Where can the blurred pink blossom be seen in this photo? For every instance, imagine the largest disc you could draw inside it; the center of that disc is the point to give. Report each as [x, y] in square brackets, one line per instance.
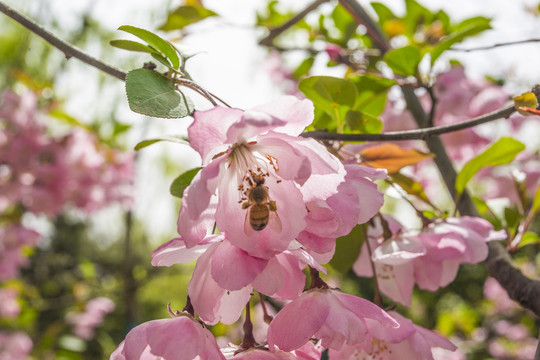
[9, 306]
[15, 346]
[13, 239]
[85, 323]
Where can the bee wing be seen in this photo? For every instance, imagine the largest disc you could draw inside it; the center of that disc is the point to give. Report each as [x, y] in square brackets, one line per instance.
[248, 230]
[274, 222]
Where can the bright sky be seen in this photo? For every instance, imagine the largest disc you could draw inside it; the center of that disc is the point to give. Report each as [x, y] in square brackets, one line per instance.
[229, 63]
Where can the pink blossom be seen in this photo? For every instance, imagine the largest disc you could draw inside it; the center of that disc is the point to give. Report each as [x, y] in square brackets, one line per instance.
[225, 275]
[331, 316]
[356, 201]
[9, 306]
[309, 351]
[496, 293]
[430, 258]
[334, 52]
[94, 314]
[178, 338]
[409, 341]
[13, 239]
[237, 147]
[15, 346]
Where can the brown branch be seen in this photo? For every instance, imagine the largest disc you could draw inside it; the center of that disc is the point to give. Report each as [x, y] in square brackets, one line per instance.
[416, 134]
[489, 47]
[499, 264]
[68, 49]
[275, 32]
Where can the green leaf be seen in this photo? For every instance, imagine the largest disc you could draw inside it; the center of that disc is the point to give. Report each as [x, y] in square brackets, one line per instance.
[372, 92]
[529, 238]
[150, 93]
[347, 250]
[536, 201]
[184, 16]
[383, 12]
[304, 67]
[170, 138]
[182, 182]
[154, 41]
[403, 61]
[470, 29]
[333, 95]
[132, 46]
[501, 152]
[512, 217]
[363, 123]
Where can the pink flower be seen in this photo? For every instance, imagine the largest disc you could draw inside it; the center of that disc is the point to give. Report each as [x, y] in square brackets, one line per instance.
[356, 201]
[309, 351]
[94, 314]
[409, 341]
[178, 338]
[334, 52]
[9, 306]
[430, 258]
[15, 346]
[13, 238]
[331, 316]
[225, 275]
[260, 148]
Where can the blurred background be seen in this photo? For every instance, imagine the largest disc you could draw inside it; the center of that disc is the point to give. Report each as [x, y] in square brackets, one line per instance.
[80, 275]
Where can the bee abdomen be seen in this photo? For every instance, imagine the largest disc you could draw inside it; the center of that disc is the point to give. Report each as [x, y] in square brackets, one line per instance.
[258, 218]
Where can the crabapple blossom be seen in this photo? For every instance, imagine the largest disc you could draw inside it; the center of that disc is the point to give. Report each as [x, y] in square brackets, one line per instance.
[15, 346]
[178, 338]
[430, 258]
[95, 310]
[9, 306]
[356, 201]
[239, 147]
[13, 238]
[333, 317]
[409, 341]
[309, 351]
[225, 275]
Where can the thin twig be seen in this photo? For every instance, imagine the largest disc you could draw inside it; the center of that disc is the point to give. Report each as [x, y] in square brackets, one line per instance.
[68, 49]
[489, 47]
[275, 32]
[416, 134]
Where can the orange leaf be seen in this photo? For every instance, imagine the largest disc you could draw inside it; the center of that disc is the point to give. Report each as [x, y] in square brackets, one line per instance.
[391, 157]
[528, 111]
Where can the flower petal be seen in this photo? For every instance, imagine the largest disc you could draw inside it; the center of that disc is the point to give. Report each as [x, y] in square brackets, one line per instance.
[175, 251]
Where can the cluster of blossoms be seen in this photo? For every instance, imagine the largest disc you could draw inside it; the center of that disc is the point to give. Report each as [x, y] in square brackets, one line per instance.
[279, 202]
[84, 323]
[41, 174]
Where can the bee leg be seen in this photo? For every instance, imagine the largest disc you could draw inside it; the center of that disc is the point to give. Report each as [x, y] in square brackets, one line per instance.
[245, 205]
[272, 205]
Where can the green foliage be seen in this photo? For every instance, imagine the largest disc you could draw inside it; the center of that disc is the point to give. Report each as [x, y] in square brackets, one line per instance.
[150, 93]
[160, 45]
[501, 152]
[403, 61]
[182, 182]
[348, 249]
[171, 138]
[186, 15]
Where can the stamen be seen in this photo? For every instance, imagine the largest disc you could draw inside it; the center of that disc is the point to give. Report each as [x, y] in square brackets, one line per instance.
[273, 161]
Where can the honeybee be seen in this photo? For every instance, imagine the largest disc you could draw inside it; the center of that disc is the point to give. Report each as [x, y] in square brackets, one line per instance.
[261, 210]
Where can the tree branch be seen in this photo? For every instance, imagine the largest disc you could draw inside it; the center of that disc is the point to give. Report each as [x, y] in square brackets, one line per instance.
[275, 32]
[68, 49]
[498, 263]
[416, 134]
[489, 47]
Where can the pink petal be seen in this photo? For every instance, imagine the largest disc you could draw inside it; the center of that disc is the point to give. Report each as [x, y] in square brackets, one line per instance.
[253, 123]
[291, 328]
[212, 303]
[209, 129]
[397, 281]
[398, 252]
[297, 114]
[364, 308]
[175, 252]
[232, 268]
[283, 278]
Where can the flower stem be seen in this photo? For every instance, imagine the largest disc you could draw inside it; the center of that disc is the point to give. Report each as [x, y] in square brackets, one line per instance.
[267, 317]
[189, 307]
[248, 341]
[377, 299]
[316, 281]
